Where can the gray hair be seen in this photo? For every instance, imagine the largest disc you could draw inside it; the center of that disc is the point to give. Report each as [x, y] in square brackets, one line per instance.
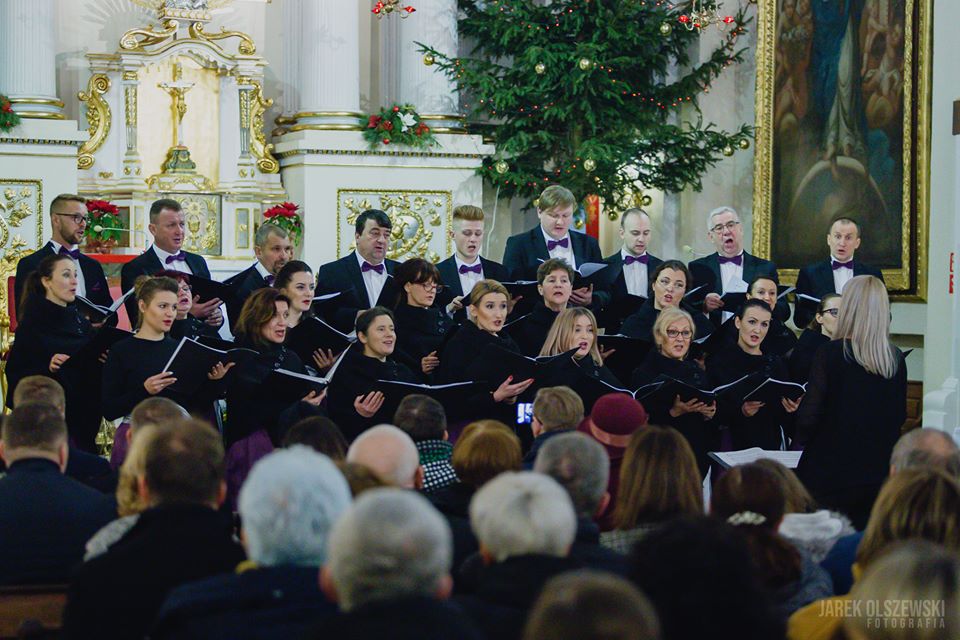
[288, 504]
[718, 211]
[522, 512]
[580, 464]
[926, 449]
[389, 452]
[390, 544]
[265, 230]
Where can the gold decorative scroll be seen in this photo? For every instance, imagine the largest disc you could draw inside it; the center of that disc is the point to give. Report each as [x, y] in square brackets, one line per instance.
[420, 219]
[259, 147]
[98, 118]
[147, 37]
[246, 46]
[20, 199]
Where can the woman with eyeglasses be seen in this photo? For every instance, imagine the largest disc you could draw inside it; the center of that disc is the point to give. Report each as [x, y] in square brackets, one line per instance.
[819, 332]
[420, 325]
[669, 283]
[752, 423]
[555, 285]
[186, 325]
[673, 333]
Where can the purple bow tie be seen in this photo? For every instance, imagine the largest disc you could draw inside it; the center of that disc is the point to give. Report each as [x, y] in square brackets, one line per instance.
[842, 265]
[644, 259]
[269, 279]
[179, 256]
[75, 253]
[737, 260]
[553, 244]
[477, 269]
[371, 267]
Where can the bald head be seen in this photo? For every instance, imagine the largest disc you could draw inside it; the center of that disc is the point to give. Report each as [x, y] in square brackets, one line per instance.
[926, 449]
[390, 453]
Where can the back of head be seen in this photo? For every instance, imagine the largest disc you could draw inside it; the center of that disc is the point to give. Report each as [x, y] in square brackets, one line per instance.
[129, 500]
[288, 504]
[390, 544]
[580, 465]
[184, 464]
[484, 450]
[915, 503]
[33, 426]
[558, 408]
[320, 434]
[797, 498]
[522, 513]
[864, 322]
[925, 449]
[389, 453]
[679, 567]
[591, 604]
[910, 572]
[42, 389]
[360, 478]
[659, 479]
[614, 418]
[421, 417]
[156, 411]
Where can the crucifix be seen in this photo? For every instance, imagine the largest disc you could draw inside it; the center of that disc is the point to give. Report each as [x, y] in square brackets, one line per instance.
[177, 90]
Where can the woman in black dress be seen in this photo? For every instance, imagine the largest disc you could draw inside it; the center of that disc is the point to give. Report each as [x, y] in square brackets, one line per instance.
[555, 285]
[855, 404]
[355, 402]
[50, 330]
[420, 326]
[668, 283]
[780, 339]
[752, 423]
[296, 282]
[819, 332]
[186, 325]
[673, 333]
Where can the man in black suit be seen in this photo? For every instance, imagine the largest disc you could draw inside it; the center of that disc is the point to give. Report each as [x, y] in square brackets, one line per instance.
[46, 518]
[725, 270]
[168, 228]
[829, 276]
[466, 266]
[68, 220]
[273, 249]
[363, 277]
[552, 239]
[179, 538]
[627, 278]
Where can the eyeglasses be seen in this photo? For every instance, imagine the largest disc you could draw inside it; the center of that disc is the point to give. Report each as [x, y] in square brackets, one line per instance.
[673, 334]
[431, 286]
[76, 217]
[730, 226]
[834, 312]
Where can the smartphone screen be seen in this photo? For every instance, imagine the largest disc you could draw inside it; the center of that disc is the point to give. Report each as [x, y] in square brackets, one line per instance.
[524, 412]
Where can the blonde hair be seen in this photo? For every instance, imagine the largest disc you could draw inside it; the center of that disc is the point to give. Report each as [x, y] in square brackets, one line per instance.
[560, 336]
[865, 322]
[556, 196]
[485, 287]
[467, 212]
[666, 318]
[134, 465]
[65, 197]
[557, 408]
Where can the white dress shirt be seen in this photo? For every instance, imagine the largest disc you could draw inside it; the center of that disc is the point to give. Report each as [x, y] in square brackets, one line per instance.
[176, 265]
[262, 270]
[81, 283]
[468, 280]
[730, 273]
[372, 280]
[563, 253]
[635, 275]
[841, 276]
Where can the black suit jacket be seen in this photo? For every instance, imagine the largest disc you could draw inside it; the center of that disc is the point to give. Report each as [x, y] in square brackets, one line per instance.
[817, 280]
[450, 279]
[98, 292]
[525, 250]
[148, 264]
[46, 519]
[612, 294]
[242, 284]
[752, 267]
[344, 275]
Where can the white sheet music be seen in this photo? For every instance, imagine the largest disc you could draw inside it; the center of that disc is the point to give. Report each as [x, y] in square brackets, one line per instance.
[789, 459]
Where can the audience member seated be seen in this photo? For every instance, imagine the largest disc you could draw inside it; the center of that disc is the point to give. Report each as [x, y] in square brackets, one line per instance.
[288, 504]
[388, 570]
[360, 478]
[484, 450]
[750, 498]
[556, 410]
[45, 517]
[154, 410]
[180, 538]
[911, 572]
[913, 504]
[390, 454]
[589, 604]
[320, 434]
[659, 481]
[615, 417]
[525, 524]
[423, 419]
[581, 467]
[698, 574]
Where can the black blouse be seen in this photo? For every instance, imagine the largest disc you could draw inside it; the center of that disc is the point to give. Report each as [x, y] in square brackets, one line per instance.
[802, 357]
[531, 331]
[779, 341]
[419, 332]
[191, 327]
[129, 363]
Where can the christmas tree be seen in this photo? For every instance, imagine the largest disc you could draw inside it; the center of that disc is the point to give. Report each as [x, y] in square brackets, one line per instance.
[576, 92]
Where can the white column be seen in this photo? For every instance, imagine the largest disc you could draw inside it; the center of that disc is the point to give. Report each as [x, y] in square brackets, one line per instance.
[28, 69]
[292, 17]
[329, 66]
[431, 92]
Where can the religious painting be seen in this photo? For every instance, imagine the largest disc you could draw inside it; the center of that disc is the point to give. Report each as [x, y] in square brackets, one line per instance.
[842, 131]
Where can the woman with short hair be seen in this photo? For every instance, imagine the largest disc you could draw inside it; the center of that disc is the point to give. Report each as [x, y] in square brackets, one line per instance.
[669, 283]
[421, 326]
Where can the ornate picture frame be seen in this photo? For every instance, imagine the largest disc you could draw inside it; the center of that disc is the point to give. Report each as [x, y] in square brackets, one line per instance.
[843, 129]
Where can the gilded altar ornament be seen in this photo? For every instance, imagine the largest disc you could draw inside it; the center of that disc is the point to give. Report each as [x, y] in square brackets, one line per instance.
[259, 147]
[98, 118]
[137, 39]
[246, 46]
[412, 213]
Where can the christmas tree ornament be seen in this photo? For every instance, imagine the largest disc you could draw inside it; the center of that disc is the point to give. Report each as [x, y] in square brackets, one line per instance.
[501, 167]
[727, 151]
[428, 60]
[589, 164]
[744, 143]
[646, 200]
[666, 28]
[585, 64]
[540, 68]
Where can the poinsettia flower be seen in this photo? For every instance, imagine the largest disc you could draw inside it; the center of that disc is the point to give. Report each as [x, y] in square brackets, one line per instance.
[373, 122]
[408, 120]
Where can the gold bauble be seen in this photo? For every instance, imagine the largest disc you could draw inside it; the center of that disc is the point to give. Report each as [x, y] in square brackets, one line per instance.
[501, 167]
[727, 151]
[536, 202]
[646, 200]
[585, 64]
[540, 68]
[428, 60]
[666, 28]
[612, 216]
[589, 164]
[578, 224]
[744, 143]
